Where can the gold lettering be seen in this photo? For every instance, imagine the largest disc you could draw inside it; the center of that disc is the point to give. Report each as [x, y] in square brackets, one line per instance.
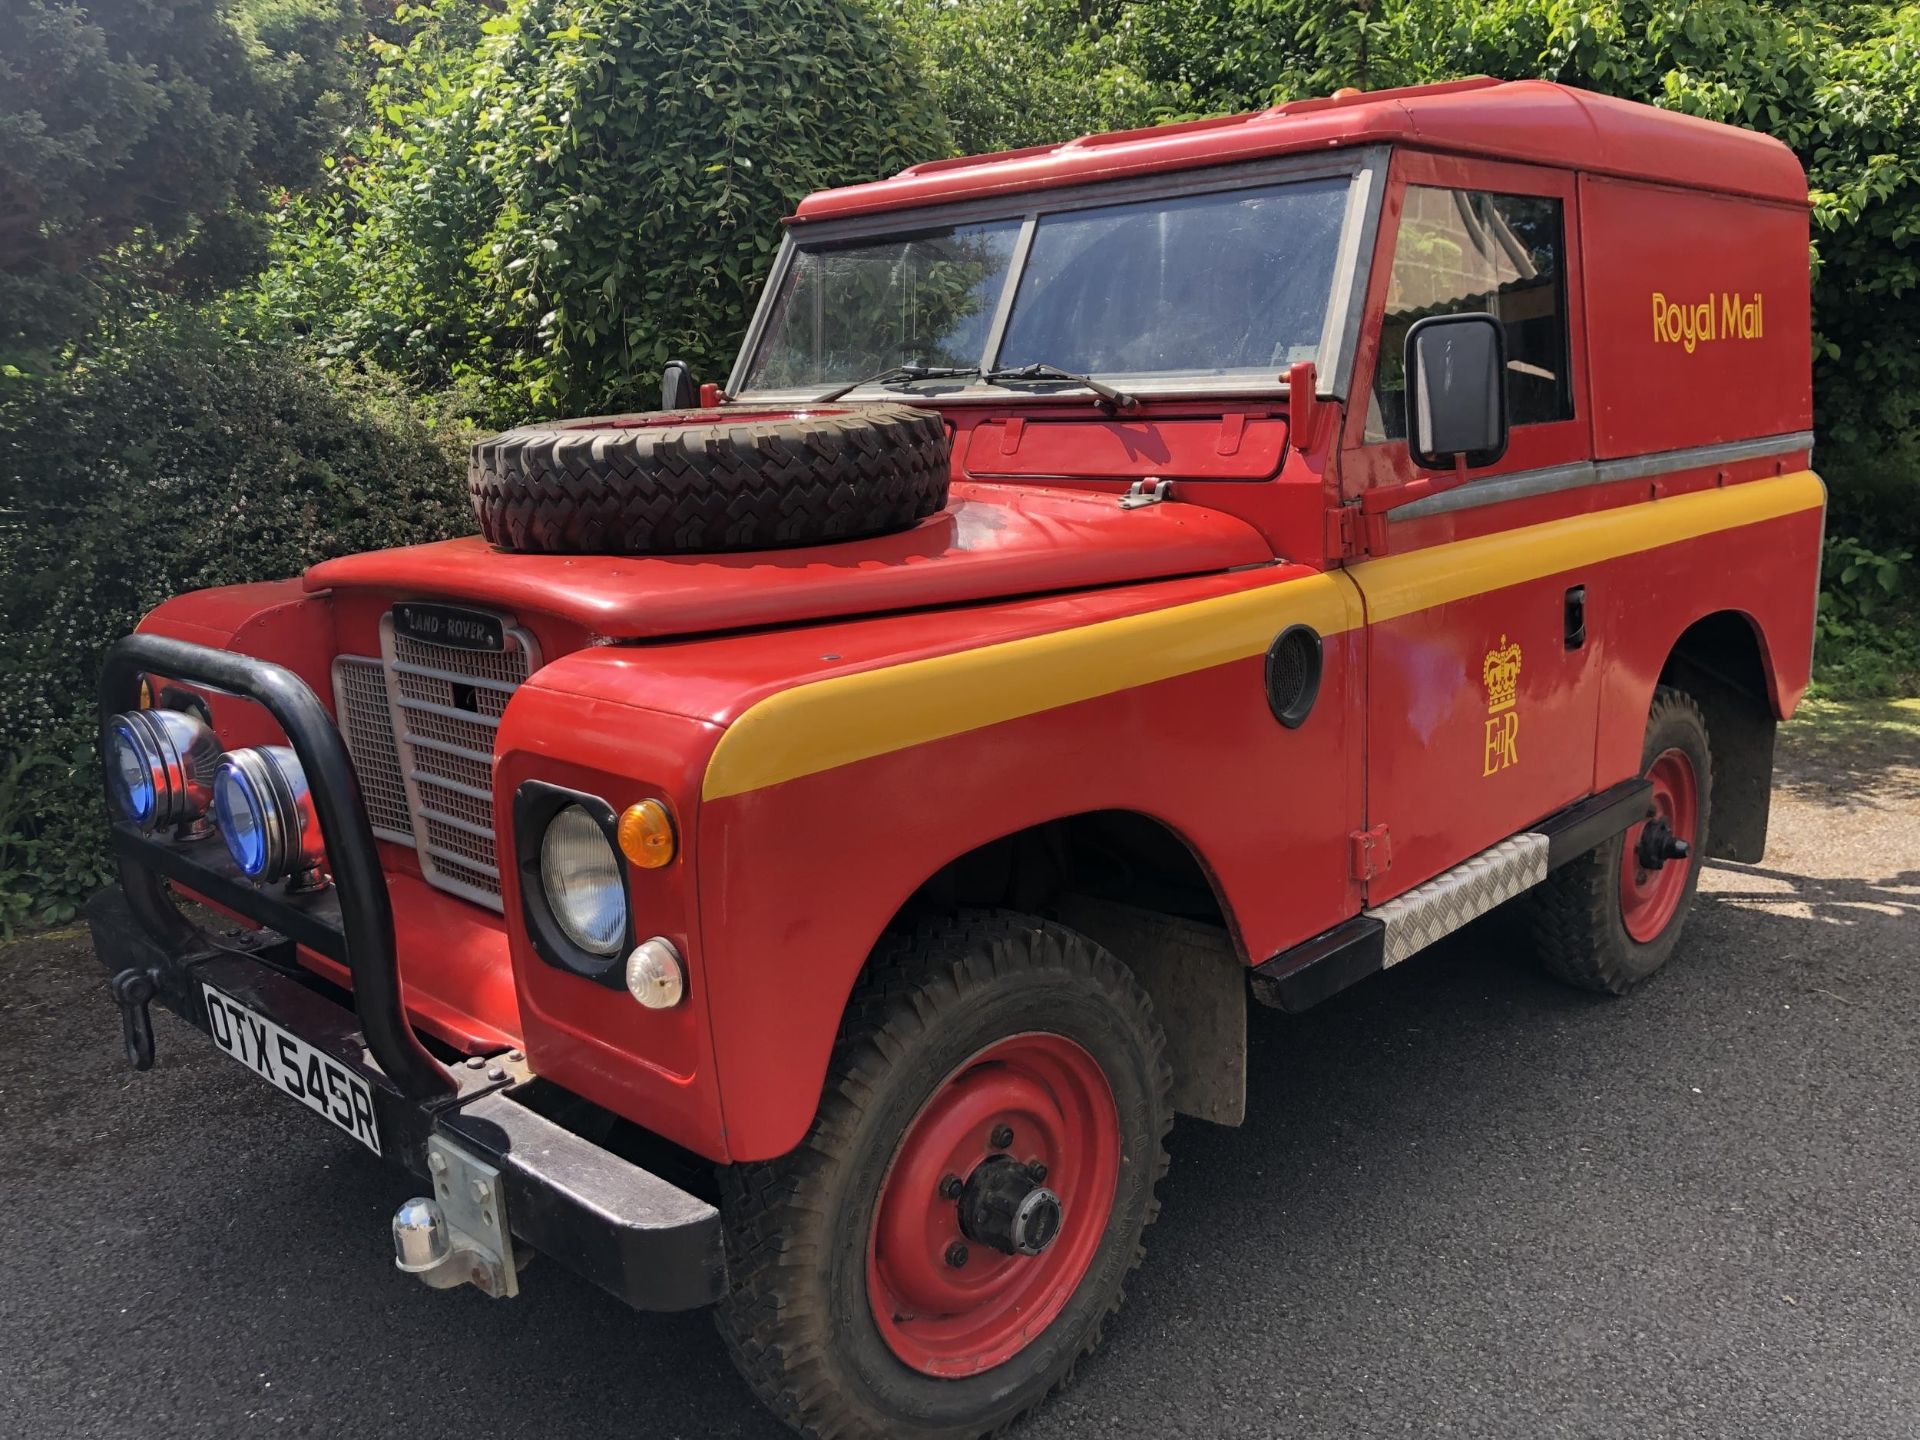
[1661, 335]
[1502, 750]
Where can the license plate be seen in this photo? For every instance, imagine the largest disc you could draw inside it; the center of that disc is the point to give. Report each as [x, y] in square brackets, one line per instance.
[283, 1059]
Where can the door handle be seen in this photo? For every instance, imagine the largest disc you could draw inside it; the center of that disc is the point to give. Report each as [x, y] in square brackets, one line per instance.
[1575, 617]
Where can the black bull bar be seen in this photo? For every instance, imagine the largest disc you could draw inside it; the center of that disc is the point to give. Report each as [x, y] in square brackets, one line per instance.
[627, 1230]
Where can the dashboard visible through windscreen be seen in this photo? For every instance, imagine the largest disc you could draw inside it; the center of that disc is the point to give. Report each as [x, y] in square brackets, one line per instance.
[1233, 284]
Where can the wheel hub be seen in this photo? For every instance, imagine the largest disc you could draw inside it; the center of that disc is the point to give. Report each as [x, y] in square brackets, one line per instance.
[1004, 1207]
[1658, 844]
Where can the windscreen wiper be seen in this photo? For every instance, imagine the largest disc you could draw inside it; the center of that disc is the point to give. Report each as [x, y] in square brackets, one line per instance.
[1115, 399]
[907, 374]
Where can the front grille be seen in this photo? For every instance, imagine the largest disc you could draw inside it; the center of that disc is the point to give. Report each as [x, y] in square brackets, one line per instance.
[420, 725]
[366, 720]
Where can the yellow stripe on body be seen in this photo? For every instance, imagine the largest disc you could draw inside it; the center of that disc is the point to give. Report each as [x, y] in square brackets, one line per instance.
[831, 722]
[827, 723]
[1402, 584]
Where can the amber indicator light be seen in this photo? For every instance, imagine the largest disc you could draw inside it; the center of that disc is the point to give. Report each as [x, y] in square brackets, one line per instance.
[646, 834]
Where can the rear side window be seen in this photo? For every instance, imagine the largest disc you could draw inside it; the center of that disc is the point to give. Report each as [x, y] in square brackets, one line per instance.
[1468, 250]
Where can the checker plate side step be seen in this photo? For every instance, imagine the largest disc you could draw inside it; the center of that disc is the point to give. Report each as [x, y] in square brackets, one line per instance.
[1303, 976]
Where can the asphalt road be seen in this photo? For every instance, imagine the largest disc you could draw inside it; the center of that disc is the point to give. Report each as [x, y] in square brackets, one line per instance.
[1468, 1203]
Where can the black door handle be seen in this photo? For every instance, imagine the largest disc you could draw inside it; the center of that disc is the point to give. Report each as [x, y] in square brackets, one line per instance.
[1576, 617]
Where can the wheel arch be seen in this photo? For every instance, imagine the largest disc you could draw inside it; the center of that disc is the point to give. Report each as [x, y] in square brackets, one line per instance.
[1134, 884]
[1722, 661]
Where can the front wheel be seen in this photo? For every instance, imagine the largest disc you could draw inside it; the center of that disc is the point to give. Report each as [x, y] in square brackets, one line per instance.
[955, 1229]
[1609, 919]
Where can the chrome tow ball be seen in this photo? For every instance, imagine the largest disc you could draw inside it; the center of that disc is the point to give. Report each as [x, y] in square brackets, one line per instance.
[459, 1235]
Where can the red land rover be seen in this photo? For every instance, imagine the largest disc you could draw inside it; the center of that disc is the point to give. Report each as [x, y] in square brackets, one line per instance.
[802, 858]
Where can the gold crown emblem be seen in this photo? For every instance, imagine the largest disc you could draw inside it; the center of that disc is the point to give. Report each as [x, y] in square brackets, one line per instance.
[1501, 674]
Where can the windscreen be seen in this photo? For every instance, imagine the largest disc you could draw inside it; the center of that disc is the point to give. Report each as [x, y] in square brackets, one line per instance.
[1228, 283]
[855, 310]
[1202, 285]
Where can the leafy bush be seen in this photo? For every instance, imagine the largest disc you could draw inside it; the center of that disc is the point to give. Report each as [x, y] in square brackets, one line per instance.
[1868, 635]
[182, 459]
[550, 209]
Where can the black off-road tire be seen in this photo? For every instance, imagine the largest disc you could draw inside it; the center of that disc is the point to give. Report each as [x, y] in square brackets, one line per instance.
[1574, 917]
[797, 1321]
[701, 481]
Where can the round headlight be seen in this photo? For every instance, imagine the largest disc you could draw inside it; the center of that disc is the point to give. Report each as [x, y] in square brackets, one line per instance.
[160, 764]
[582, 877]
[130, 769]
[265, 813]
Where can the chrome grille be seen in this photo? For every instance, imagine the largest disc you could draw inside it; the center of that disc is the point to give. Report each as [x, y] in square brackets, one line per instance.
[446, 708]
[420, 723]
[366, 722]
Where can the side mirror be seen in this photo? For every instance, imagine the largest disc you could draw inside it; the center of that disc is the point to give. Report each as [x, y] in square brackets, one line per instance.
[1456, 391]
[677, 390]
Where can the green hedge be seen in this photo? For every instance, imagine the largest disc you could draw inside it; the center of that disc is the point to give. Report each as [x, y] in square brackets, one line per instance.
[180, 460]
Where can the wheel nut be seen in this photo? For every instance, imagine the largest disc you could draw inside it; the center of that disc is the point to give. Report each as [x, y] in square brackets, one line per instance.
[956, 1254]
[951, 1187]
[1036, 1171]
[1002, 1136]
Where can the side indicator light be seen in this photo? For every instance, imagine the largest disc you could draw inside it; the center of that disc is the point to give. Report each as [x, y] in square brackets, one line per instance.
[646, 835]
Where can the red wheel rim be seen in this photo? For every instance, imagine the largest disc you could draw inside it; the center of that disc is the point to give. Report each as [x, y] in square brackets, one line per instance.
[947, 1320]
[1649, 898]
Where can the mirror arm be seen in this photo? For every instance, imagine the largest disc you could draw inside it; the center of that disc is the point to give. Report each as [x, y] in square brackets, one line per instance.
[1391, 497]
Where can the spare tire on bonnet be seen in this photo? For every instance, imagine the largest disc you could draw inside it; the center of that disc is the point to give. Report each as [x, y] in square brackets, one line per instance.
[689, 481]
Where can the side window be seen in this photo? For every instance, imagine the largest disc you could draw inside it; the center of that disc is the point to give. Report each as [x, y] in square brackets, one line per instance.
[1466, 250]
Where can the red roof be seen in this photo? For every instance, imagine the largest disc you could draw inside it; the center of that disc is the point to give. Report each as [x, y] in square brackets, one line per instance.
[1524, 120]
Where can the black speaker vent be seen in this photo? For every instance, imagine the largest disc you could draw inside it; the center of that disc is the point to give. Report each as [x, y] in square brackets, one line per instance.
[1293, 674]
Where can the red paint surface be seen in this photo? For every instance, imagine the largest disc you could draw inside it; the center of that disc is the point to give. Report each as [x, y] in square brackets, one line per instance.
[1652, 394]
[1231, 447]
[990, 541]
[1526, 120]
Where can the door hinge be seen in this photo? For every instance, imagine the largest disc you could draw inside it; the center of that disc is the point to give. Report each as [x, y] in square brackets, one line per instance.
[1343, 533]
[1370, 853]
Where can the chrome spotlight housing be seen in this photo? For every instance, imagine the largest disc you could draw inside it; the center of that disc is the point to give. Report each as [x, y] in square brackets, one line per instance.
[160, 766]
[265, 812]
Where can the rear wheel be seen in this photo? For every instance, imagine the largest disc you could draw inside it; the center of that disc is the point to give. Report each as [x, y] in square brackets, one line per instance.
[955, 1229]
[1609, 919]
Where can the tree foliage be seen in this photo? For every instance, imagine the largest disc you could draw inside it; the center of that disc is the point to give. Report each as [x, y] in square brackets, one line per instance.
[552, 208]
[136, 136]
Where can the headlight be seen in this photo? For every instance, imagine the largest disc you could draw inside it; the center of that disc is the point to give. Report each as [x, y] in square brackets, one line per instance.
[265, 812]
[161, 766]
[582, 877]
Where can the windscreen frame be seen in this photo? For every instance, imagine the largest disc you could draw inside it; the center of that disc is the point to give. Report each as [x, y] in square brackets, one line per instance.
[1364, 169]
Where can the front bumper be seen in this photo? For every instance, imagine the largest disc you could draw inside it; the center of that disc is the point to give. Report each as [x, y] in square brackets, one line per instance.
[629, 1231]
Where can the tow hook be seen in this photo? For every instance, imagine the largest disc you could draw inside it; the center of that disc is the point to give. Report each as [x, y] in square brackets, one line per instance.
[459, 1235]
[133, 991]
[1658, 844]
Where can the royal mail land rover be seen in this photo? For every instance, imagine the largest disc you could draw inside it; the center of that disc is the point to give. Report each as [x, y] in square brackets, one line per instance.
[802, 854]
